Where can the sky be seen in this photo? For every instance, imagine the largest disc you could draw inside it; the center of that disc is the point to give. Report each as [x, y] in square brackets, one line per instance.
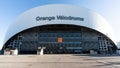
[11, 9]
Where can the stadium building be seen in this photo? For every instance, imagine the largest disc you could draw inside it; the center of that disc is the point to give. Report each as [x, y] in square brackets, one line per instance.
[59, 29]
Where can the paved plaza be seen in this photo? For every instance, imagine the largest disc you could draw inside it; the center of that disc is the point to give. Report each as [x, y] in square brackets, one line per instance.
[59, 61]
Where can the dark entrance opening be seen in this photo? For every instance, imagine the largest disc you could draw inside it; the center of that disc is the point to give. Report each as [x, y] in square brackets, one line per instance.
[57, 39]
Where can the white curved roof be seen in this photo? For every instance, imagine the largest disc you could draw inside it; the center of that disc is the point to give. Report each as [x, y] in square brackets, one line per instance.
[28, 19]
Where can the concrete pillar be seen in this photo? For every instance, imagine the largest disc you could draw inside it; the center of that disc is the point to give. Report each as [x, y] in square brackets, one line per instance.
[7, 51]
[92, 52]
[14, 52]
[40, 50]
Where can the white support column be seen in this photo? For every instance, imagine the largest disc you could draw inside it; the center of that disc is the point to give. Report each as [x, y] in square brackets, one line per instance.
[14, 52]
[40, 50]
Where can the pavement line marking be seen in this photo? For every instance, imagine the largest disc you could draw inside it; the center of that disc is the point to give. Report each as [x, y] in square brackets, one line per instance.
[108, 63]
[116, 65]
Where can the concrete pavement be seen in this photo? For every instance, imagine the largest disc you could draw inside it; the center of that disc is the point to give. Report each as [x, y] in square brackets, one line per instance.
[59, 61]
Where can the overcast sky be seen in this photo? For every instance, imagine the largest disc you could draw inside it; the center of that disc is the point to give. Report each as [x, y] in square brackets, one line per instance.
[109, 9]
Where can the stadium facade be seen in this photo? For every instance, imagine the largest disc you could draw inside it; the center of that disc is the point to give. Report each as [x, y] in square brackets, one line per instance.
[60, 29]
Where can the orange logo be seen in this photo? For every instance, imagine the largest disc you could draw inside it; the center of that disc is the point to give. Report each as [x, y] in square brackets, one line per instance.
[60, 40]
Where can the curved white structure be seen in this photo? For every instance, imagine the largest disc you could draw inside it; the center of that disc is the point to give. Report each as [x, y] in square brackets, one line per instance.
[49, 14]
